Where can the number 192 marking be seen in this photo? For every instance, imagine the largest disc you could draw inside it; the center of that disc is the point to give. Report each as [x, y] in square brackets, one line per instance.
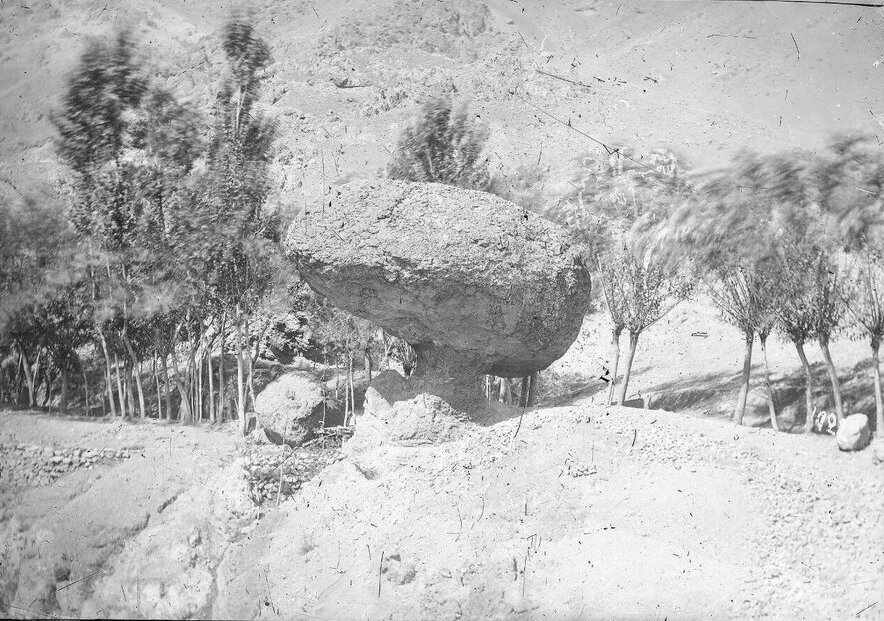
[825, 420]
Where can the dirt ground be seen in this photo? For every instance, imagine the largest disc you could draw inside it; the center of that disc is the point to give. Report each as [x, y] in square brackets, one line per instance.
[578, 511]
[586, 513]
[62, 539]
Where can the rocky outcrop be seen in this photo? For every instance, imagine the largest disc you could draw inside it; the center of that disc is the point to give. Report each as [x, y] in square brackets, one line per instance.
[474, 283]
[853, 433]
[461, 275]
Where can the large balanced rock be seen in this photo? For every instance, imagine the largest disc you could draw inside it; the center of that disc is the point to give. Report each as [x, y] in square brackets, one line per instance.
[853, 433]
[476, 284]
[289, 408]
[447, 268]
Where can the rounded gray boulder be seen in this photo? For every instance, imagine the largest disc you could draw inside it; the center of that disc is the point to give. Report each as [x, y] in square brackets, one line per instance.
[290, 408]
[470, 280]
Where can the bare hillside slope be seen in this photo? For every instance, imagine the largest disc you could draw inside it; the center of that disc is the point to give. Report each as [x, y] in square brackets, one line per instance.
[705, 79]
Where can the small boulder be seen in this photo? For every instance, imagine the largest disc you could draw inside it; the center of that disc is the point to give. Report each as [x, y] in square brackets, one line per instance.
[853, 433]
[289, 408]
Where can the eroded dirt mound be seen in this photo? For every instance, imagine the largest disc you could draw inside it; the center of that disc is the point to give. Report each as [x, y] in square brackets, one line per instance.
[582, 514]
[64, 529]
[138, 525]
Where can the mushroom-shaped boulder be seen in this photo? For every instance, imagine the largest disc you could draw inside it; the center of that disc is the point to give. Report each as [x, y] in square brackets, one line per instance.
[475, 283]
[448, 268]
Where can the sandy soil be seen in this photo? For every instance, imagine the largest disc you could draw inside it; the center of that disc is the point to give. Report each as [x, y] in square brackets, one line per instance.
[61, 539]
[668, 514]
[586, 512]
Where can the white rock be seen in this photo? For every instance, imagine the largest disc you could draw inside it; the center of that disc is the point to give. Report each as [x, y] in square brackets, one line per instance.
[853, 433]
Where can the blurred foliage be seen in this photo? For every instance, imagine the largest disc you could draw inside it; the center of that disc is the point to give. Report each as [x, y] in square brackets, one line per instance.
[443, 144]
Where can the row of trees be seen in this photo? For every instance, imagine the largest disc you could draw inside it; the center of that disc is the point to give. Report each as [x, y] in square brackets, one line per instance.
[793, 245]
[786, 244]
[166, 252]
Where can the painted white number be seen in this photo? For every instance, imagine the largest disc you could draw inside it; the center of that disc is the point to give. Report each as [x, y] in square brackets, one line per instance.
[825, 422]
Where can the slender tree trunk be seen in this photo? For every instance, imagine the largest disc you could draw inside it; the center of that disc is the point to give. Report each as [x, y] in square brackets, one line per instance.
[6, 388]
[250, 369]
[38, 368]
[85, 386]
[6, 393]
[63, 400]
[136, 373]
[352, 391]
[506, 390]
[833, 378]
[346, 392]
[523, 394]
[130, 389]
[29, 378]
[532, 389]
[156, 381]
[808, 387]
[222, 401]
[627, 371]
[184, 412]
[120, 393]
[879, 404]
[240, 380]
[127, 390]
[191, 378]
[47, 399]
[16, 395]
[211, 372]
[615, 343]
[108, 373]
[747, 372]
[771, 406]
[199, 387]
[367, 362]
[167, 389]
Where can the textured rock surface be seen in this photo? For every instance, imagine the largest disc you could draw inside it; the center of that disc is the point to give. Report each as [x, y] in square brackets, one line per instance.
[853, 433]
[461, 275]
[289, 408]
